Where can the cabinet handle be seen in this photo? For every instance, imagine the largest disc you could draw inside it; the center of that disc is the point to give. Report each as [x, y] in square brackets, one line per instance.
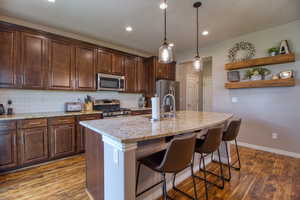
[35, 123]
[14, 141]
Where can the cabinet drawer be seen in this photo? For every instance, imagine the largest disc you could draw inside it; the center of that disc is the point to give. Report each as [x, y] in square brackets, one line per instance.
[32, 123]
[89, 117]
[62, 120]
[8, 125]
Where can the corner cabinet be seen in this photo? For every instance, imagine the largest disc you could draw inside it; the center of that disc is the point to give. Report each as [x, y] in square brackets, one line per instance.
[85, 60]
[33, 64]
[8, 57]
[8, 145]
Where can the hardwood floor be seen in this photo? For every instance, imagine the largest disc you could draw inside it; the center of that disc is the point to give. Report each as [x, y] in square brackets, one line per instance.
[264, 176]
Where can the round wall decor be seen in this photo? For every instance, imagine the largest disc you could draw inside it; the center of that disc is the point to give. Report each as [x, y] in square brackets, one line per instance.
[241, 51]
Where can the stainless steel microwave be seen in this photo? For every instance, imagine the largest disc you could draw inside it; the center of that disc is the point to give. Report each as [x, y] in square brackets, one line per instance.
[110, 82]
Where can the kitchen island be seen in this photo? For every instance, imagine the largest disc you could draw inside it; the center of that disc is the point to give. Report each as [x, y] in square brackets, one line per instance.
[112, 146]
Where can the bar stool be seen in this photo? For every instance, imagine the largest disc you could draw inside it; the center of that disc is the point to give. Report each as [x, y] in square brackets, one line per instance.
[205, 147]
[229, 135]
[177, 157]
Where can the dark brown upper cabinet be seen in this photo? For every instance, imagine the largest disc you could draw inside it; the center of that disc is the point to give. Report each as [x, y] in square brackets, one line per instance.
[85, 68]
[130, 74]
[142, 76]
[104, 62]
[61, 71]
[8, 57]
[118, 64]
[33, 64]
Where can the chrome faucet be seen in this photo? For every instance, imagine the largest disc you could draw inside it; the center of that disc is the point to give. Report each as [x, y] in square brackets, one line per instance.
[172, 106]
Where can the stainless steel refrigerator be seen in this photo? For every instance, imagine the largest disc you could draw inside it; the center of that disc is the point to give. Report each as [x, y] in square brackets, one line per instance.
[164, 87]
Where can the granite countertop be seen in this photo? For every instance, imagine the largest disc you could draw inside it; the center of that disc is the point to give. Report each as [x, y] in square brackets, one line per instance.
[140, 128]
[140, 109]
[44, 115]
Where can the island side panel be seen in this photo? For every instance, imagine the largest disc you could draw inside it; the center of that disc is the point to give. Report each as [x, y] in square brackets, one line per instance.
[94, 153]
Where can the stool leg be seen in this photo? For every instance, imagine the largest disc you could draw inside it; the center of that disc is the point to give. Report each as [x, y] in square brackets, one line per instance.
[194, 182]
[238, 154]
[205, 181]
[137, 178]
[228, 163]
[221, 169]
[165, 195]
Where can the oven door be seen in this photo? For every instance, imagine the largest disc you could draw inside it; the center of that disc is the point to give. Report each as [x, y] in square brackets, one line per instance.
[110, 82]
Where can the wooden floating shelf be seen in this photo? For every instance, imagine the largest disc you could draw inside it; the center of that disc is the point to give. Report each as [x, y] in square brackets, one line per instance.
[261, 84]
[286, 58]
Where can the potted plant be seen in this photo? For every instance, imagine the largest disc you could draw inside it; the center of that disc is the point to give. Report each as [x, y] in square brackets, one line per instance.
[257, 73]
[273, 51]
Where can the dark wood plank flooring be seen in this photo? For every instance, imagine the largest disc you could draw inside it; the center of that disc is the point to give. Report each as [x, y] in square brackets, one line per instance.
[264, 176]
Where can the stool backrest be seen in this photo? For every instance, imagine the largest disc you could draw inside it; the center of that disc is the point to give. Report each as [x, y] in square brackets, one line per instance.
[212, 140]
[233, 130]
[179, 154]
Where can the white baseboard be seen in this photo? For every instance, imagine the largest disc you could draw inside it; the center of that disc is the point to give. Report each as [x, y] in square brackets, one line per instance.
[269, 149]
[156, 193]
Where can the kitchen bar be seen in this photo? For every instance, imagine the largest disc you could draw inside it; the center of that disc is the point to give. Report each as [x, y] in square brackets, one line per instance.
[112, 146]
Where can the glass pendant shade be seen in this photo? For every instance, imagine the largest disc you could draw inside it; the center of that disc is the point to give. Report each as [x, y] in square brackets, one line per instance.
[165, 54]
[197, 63]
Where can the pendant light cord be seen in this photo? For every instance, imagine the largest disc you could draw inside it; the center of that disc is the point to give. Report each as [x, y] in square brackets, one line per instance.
[197, 32]
[165, 21]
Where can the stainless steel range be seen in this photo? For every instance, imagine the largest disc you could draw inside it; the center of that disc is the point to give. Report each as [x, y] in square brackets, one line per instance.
[110, 108]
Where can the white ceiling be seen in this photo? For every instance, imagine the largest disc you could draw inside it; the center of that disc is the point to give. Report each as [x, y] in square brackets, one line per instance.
[106, 19]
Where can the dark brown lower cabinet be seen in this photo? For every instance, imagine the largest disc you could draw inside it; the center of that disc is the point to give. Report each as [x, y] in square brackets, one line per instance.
[80, 139]
[62, 140]
[8, 149]
[33, 145]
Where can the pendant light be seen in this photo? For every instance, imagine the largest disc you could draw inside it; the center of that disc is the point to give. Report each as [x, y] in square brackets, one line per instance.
[165, 53]
[197, 62]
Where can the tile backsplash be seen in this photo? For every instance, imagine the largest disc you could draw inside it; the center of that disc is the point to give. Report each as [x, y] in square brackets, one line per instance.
[31, 101]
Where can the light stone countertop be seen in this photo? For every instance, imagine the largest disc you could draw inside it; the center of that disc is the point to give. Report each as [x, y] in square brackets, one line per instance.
[44, 115]
[140, 109]
[140, 128]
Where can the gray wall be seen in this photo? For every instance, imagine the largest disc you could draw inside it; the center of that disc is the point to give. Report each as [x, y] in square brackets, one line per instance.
[264, 110]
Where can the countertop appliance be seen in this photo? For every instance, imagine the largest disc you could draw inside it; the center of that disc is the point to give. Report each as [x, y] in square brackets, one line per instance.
[110, 108]
[164, 87]
[73, 107]
[110, 82]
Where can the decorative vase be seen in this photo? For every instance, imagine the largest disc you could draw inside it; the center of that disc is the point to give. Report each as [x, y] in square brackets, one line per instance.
[256, 77]
[273, 53]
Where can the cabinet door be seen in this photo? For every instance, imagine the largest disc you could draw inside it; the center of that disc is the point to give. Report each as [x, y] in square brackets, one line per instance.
[172, 71]
[61, 70]
[85, 68]
[8, 149]
[80, 139]
[142, 76]
[118, 64]
[104, 62]
[130, 74]
[8, 57]
[33, 60]
[62, 140]
[33, 145]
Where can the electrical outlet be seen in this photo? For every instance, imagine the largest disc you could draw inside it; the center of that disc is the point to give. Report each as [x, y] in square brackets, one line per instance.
[274, 136]
[116, 156]
[234, 99]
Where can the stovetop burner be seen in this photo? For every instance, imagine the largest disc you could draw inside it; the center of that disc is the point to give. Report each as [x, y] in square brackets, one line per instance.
[110, 108]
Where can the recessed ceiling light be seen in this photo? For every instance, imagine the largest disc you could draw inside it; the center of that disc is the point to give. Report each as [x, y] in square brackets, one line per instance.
[128, 28]
[171, 45]
[205, 33]
[52, 1]
[163, 6]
